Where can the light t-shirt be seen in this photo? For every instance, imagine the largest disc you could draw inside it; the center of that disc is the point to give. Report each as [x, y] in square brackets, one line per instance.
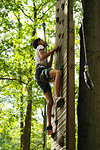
[38, 61]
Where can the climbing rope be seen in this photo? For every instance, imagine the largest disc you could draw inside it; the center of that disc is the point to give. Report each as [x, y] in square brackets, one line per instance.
[44, 26]
[87, 78]
[45, 107]
[84, 44]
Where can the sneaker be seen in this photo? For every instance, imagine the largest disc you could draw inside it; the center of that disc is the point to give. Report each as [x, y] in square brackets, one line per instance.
[49, 130]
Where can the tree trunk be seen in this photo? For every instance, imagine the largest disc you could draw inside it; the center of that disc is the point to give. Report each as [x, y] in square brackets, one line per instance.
[27, 128]
[21, 122]
[89, 101]
[21, 89]
[45, 126]
[21, 114]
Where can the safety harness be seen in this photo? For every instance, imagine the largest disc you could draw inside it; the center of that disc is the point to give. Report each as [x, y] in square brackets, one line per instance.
[44, 76]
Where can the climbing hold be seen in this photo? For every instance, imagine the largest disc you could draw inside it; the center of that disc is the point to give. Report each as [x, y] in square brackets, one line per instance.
[60, 48]
[62, 35]
[61, 141]
[56, 122]
[59, 22]
[59, 35]
[61, 67]
[60, 103]
[72, 30]
[57, 10]
[57, 19]
[63, 22]
[62, 6]
[52, 115]
[53, 135]
[72, 48]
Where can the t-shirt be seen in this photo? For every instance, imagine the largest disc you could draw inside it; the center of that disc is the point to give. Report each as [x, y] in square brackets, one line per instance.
[38, 61]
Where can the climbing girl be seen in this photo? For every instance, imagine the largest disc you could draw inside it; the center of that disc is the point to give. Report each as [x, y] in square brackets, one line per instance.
[44, 74]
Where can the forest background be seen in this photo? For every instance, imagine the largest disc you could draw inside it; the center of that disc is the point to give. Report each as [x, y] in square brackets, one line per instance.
[21, 101]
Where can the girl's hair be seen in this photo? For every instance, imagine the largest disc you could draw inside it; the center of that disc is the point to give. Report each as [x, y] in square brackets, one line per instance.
[35, 43]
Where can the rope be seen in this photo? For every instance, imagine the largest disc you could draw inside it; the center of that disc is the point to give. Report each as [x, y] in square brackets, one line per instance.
[45, 127]
[44, 26]
[87, 78]
[45, 138]
[84, 44]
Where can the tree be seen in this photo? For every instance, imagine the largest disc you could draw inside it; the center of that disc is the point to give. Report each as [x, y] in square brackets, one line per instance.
[89, 101]
[19, 19]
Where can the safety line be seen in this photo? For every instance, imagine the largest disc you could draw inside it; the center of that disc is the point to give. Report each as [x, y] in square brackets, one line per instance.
[84, 44]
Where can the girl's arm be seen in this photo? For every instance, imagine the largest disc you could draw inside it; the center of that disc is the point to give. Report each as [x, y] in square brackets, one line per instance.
[50, 62]
[44, 55]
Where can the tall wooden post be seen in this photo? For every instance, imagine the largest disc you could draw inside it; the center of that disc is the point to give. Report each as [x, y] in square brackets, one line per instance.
[70, 81]
[65, 131]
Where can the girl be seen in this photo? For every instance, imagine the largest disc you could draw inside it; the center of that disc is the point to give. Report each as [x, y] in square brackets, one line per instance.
[44, 74]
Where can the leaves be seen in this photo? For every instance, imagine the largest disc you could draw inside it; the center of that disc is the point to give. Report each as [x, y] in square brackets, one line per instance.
[18, 19]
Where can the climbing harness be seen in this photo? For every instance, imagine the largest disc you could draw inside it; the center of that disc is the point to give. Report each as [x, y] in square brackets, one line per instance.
[44, 75]
[87, 78]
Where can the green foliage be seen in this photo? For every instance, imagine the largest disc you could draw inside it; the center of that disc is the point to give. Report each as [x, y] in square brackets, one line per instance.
[78, 14]
[17, 22]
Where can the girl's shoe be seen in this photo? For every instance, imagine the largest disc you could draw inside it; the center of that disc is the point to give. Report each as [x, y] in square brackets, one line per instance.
[49, 130]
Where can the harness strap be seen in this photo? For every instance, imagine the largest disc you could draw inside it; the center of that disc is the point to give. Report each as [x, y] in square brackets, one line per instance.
[44, 75]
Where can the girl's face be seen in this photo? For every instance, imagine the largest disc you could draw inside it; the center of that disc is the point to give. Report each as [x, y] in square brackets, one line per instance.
[41, 42]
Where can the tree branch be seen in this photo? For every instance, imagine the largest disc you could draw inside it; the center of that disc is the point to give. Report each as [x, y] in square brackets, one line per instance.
[7, 79]
[49, 8]
[46, 11]
[12, 80]
[26, 15]
[40, 8]
[37, 9]
[23, 11]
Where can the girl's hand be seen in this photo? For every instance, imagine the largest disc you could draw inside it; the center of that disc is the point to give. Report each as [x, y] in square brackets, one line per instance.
[56, 48]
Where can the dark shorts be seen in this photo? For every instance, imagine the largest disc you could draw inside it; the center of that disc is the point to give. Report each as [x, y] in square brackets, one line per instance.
[44, 85]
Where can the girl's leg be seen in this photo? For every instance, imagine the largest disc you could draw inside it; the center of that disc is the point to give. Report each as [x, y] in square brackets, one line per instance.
[48, 96]
[57, 75]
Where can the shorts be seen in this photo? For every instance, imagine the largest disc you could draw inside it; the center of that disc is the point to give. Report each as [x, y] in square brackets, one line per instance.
[45, 86]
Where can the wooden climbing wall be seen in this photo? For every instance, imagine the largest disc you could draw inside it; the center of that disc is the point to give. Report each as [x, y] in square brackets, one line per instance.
[64, 118]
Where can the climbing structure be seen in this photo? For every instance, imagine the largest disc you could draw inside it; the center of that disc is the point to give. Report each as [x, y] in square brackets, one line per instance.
[63, 118]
